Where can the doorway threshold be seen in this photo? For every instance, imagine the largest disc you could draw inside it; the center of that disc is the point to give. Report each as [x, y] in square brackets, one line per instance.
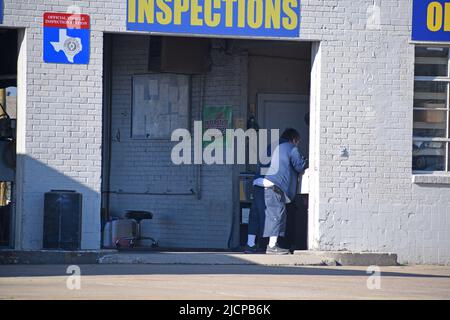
[180, 249]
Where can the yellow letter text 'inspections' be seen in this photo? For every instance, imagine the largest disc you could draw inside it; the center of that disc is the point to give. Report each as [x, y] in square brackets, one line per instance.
[258, 18]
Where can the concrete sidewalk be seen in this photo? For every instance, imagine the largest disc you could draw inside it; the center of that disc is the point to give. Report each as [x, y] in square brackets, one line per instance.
[299, 258]
[235, 282]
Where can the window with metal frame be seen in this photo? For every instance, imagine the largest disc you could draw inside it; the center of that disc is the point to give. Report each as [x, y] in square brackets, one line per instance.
[431, 136]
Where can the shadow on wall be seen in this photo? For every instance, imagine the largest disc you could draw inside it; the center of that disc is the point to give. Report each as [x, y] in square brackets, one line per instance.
[63, 172]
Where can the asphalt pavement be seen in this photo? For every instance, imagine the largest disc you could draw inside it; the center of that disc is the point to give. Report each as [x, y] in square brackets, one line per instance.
[236, 282]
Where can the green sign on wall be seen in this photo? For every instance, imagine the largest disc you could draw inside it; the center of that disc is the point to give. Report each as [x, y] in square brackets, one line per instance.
[217, 118]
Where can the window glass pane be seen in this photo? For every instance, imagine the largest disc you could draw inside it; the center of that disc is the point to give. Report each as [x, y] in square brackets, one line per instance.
[448, 124]
[11, 102]
[429, 156]
[448, 156]
[430, 123]
[431, 61]
[429, 94]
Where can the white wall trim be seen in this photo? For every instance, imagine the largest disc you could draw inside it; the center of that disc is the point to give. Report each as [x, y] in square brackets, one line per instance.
[21, 136]
[314, 147]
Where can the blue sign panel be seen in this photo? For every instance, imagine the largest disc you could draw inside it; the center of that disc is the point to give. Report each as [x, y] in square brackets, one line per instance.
[66, 38]
[254, 18]
[1, 11]
[431, 20]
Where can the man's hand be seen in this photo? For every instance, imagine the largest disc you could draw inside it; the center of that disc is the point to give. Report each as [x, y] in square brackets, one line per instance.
[298, 160]
[306, 160]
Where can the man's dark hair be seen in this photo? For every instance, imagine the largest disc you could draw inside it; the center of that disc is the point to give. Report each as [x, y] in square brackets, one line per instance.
[290, 134]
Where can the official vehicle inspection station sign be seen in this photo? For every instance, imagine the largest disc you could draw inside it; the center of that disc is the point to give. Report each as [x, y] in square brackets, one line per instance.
[431, 20]
[254, 18]
[66, 38]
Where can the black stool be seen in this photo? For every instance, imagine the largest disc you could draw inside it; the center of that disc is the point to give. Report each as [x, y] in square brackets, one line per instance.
[139, 216]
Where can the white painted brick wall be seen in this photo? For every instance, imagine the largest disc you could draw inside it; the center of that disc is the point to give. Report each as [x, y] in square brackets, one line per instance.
[366, 202]
[64, 127]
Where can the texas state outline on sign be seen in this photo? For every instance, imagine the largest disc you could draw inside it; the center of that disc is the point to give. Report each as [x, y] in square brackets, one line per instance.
[69, 45]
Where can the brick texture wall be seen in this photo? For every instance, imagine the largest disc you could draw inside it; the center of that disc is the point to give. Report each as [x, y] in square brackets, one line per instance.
[364, 202]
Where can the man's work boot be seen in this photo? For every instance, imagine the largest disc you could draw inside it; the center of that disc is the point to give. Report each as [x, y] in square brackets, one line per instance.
[250, 250]
[276, 250]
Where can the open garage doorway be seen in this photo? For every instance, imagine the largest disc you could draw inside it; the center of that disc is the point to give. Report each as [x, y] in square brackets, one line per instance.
[156, 84]
[8, 117]
[278, 98]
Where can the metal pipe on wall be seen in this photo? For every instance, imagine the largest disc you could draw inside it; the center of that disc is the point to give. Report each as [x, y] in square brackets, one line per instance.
[200, 116]
[3, 186]
[107, 93]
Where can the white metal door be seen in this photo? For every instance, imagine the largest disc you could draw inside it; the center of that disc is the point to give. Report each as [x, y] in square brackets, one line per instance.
[281, 111]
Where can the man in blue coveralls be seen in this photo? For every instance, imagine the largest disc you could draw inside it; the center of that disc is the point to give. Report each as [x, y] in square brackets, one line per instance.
[273, 190]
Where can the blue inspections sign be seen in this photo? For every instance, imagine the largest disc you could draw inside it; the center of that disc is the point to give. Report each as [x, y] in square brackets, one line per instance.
[261, 18]
[66, 38]
[431, 20]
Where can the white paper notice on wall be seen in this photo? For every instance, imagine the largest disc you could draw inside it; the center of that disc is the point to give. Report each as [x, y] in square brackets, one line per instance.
[153, 87]
[305, 179]
[139, 93]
